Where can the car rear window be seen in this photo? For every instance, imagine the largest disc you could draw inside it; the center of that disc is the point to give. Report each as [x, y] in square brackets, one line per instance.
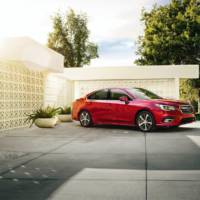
[99, 95]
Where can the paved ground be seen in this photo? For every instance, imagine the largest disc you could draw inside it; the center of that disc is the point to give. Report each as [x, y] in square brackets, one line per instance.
[116, 163]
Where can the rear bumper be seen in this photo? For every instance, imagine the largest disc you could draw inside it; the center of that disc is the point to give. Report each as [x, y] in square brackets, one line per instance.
[74, 115]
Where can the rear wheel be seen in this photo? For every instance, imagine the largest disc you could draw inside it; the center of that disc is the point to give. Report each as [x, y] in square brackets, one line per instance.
[85, 118]
[145, 121]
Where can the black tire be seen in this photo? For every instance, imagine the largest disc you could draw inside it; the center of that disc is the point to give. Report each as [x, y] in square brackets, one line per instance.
[85, 118]
[145, 121]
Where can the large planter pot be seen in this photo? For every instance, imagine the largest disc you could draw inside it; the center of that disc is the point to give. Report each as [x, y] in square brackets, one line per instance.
[46, 122]
[57, 120]
[65, 117]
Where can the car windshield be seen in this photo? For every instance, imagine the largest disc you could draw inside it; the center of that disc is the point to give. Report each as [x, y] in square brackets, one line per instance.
[143, 94]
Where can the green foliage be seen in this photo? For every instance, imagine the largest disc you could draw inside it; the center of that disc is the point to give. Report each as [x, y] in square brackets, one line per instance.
[65, 110]
[172, 36]
[188, 92]
[187, 85]
[198, 116]
[70, 37]
[48, 112]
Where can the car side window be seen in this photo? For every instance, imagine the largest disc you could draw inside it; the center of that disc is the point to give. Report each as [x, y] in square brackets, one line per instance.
[99, 95]
[115, 94]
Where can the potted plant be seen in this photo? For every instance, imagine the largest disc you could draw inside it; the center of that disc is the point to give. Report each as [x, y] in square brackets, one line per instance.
[43, 117]
[65, 114]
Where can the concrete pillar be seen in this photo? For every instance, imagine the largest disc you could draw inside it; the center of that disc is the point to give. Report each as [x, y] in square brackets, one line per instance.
[177, 85]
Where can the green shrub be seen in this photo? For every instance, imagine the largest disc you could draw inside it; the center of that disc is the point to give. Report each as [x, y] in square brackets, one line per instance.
[47, 112]
[198, 116]
[189, 93]
[65, 110]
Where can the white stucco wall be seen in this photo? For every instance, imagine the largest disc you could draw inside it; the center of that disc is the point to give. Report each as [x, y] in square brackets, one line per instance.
[58, 90]
[162, 87]
[163, 80]
[132, 72]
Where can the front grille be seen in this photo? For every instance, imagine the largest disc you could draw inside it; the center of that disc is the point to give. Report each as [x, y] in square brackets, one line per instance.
[187, 109]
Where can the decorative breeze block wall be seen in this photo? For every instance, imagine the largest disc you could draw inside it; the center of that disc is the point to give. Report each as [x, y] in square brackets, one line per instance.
[21, 92]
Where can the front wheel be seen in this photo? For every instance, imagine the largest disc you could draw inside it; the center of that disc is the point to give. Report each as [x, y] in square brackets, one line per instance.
[85, 118]
[145, 121]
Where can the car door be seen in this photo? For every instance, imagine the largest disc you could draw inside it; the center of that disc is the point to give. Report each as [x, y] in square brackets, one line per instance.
[97, 104]
[122, 113]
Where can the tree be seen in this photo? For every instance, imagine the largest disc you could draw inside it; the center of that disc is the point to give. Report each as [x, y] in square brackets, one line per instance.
[70, 37]
[172, 36]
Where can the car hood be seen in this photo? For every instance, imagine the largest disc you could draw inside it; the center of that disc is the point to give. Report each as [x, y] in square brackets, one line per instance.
[169, 101]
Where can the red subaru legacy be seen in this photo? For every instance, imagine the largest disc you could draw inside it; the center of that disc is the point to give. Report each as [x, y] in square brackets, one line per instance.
[133, 107]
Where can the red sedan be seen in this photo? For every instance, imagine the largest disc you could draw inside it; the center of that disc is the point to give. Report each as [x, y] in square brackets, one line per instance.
[133, 107]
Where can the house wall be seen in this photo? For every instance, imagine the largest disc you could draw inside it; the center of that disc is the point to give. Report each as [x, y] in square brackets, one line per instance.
[58, 91]
[163, 80]
[23, 90]
[164, 87]
[25, 80]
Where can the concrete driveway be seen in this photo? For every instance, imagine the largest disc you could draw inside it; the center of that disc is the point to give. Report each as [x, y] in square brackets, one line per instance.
[100, 163]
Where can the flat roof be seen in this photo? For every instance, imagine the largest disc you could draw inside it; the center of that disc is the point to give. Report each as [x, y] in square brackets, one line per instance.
[31, 53]
[132, 72]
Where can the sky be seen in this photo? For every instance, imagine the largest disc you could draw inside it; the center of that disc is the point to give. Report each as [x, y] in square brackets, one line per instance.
[114, 24]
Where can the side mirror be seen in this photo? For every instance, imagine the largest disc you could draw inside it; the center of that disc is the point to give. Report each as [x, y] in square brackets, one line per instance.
[124, 98]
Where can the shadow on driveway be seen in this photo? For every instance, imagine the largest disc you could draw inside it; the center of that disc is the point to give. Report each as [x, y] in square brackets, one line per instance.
[102, 162]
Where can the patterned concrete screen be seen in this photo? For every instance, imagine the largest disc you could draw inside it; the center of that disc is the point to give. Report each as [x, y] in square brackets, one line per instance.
[21, 91]
[24, 68]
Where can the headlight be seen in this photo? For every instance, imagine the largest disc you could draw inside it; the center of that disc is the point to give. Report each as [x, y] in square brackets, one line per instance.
[166, 107]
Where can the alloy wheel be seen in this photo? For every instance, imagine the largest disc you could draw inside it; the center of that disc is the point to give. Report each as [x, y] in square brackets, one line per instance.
[145, 121]
[85, 119]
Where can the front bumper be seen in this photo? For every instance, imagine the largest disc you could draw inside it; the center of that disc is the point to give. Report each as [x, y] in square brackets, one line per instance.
[173, 118]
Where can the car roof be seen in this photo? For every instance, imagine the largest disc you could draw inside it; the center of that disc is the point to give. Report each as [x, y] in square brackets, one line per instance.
[121, 88]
